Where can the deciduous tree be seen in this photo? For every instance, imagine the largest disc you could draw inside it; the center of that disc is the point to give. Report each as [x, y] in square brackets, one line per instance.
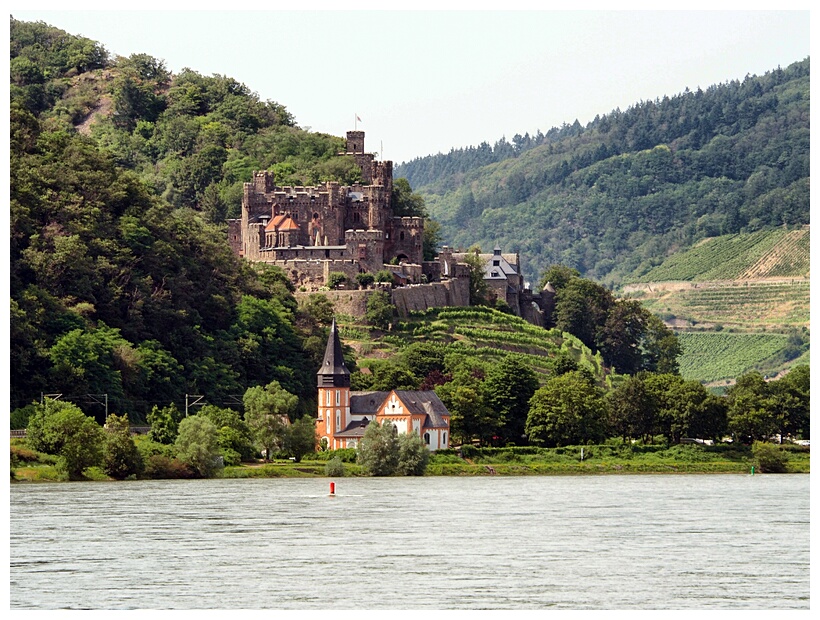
[378, 450]
[121, 458]
[267, 411]
[568, 410]
[198, 445]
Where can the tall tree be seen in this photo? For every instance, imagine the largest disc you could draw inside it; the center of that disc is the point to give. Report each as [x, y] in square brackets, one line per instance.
[197, 445]
[267, 411]
[568, 410]
[121, 458]
[508, 389]
[378, 450]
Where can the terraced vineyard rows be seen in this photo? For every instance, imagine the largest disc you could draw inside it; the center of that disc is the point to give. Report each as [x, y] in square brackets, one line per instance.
[789, 257]
[763, 254]
[716, 356]
[751, 304]
[487, 333]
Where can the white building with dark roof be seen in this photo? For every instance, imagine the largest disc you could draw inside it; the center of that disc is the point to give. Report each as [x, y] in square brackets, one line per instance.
[343, 415]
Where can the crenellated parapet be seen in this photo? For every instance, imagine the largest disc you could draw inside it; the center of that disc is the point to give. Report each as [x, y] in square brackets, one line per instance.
[328, 221]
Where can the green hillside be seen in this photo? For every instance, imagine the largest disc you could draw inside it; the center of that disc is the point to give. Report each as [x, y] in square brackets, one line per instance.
[615, 198]
[712, 357]
[776, 253]
[755, 286]
[478, 331]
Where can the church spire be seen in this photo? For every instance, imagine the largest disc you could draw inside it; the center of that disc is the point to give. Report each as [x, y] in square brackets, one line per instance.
[333, 372]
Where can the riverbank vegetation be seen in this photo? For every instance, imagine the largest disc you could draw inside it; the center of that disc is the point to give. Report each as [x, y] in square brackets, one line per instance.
[611, 458]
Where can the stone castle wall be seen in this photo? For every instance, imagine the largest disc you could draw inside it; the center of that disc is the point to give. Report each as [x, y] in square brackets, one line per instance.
[406, 298]
[453, 292]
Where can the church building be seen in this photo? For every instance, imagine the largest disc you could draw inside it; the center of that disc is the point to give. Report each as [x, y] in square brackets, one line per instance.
[345, 414]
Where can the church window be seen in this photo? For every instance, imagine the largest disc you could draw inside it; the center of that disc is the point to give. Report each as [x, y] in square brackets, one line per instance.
[427, 438]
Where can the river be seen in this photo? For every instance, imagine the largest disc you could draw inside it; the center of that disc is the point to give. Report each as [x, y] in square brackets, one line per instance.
[541, 542]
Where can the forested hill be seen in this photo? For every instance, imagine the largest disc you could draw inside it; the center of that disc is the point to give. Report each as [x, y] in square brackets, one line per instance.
[616, 197]
[122, 282]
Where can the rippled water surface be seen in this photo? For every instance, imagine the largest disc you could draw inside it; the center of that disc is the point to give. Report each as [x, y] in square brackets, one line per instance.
[579, 542]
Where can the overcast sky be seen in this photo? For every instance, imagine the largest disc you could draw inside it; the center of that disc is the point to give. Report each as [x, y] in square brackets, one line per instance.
[424, 82]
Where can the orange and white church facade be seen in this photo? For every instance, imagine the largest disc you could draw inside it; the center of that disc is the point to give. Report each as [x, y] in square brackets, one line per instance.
[344, 415]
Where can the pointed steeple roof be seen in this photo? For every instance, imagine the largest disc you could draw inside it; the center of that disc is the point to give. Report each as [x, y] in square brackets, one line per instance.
[333, 372]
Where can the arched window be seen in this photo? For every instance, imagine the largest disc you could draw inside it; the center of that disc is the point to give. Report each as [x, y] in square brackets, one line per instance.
[427, 438]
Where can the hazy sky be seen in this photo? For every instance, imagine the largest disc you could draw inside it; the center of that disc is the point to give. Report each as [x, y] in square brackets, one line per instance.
[427, 81]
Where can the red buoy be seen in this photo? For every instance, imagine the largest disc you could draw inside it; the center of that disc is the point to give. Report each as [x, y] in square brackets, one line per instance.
[333, 488]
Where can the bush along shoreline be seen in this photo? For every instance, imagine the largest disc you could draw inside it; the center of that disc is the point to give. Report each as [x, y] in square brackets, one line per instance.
[760, 458]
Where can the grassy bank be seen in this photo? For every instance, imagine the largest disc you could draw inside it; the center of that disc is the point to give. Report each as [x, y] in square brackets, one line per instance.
[523, 461]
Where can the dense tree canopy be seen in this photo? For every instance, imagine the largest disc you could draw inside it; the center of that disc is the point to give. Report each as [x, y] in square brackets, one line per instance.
[615, 196]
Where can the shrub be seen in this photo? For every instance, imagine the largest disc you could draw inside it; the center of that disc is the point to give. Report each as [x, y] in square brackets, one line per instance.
[379, 312]
[379, 449]
[334, 468]
[346, 455]
[365, 279]
[413, 455]
[121, 457]
[158, 466]
[24, 455]
[63, 429]
[770, 458]
[19, 417]
[335, 279]
[384, 275]
[230, 457]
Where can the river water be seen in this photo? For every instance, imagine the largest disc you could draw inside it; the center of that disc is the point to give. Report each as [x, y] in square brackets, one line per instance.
[547, 542]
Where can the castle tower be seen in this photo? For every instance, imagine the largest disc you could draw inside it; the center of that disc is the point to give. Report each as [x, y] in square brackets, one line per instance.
[355, 142]
[355, 146]
[334, 390]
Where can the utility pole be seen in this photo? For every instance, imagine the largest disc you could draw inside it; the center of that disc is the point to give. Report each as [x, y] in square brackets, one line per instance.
[191, 403]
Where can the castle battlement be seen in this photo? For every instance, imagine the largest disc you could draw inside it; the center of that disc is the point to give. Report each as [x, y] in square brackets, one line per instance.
[328, 221]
